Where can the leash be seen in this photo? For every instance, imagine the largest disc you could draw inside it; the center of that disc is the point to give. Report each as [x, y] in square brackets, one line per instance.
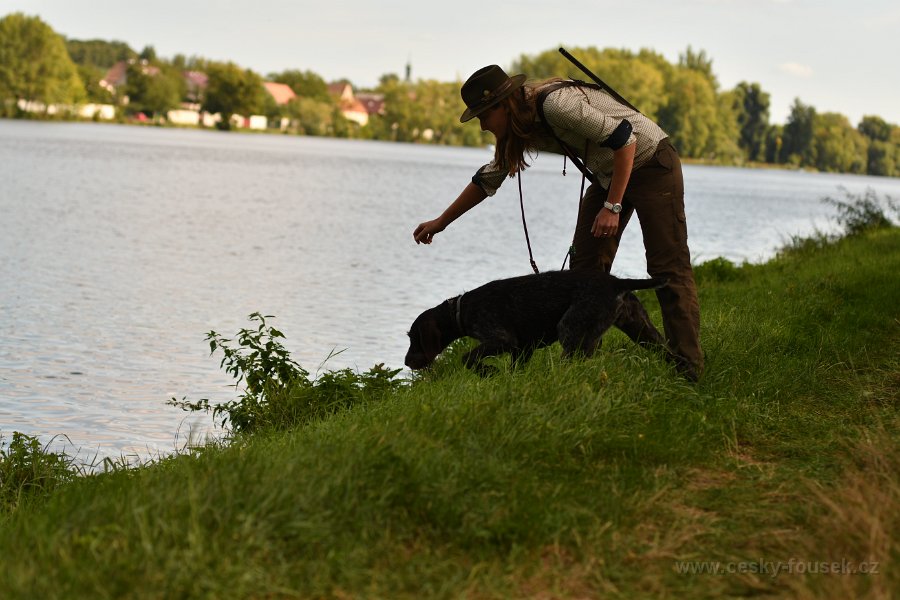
[571, 251]
[567, 151]
[525, 225]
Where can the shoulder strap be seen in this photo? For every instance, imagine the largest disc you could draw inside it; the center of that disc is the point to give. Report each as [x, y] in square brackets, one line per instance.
[549, 89]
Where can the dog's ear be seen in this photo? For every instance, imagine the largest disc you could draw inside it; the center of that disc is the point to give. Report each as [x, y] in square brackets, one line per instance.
[430, 338]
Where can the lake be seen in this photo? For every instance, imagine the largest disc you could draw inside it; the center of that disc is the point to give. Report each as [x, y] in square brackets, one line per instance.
[121, 247]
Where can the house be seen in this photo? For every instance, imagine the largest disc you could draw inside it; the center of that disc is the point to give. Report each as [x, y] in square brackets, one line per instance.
[253, 122]
[103, 112]
[342, 90]
[355, 111]
[184, 116]
[373, 103]
[280, 92]
[195, 85]
[351, 108]
[117, 75]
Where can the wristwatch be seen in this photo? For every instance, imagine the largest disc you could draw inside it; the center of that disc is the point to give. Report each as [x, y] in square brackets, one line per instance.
[615, 208]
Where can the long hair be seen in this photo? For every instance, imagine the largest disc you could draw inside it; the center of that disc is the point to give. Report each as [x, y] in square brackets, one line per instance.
[524, 129]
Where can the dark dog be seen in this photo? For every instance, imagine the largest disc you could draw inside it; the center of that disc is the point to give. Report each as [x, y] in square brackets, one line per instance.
[521, 314]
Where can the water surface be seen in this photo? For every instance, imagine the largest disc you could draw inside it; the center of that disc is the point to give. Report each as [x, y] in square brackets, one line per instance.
[120, 247]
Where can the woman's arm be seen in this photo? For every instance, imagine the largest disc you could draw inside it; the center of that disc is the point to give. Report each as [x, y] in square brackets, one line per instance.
[470, 197]
[607, 222]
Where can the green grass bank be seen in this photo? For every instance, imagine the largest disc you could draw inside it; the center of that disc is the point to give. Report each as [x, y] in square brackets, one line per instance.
[601, 478]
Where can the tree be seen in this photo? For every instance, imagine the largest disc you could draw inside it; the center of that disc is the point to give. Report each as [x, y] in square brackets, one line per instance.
[690, 114]
[722, 145]
[232, 90]
[797, 147]
[875, 128]
[638, 78]
[99, 53]
[399, 108]
[388, 79]
[153, 89]
[148, 54]
[312, 117]
[436, 116]
[34, 63]
[305, 84]
[716, 139]
[341, 126]
[883, 159]
[837, 146]
[699, 62]
[425, 111]
[701, 120]
[752, 110]
[773, 143]
[91, 76]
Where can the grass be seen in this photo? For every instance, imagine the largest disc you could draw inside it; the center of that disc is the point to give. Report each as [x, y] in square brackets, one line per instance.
[608, 477]
[30, 470]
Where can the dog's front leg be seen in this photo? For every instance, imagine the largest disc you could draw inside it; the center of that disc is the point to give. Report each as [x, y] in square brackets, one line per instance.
[474, 359]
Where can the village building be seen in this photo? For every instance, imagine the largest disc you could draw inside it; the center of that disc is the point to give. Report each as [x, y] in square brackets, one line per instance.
[354, 107]
[373, 103]
[351, 108]
[117, 76]
[280, 92]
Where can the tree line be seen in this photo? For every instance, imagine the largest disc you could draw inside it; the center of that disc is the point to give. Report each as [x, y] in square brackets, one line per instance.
[730, 126]
[706, 122]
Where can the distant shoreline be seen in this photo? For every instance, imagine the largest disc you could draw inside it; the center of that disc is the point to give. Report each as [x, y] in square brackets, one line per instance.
[271, 131]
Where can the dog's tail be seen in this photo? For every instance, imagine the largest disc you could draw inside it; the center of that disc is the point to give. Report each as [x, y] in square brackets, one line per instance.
[629, 285]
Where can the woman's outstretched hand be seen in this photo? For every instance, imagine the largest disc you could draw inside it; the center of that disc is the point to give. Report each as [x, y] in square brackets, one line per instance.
[424, 233]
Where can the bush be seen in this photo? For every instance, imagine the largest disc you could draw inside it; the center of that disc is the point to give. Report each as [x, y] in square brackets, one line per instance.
[278, 393]
[717, 269]
[861, 212]
[29, 470]
[857, 214]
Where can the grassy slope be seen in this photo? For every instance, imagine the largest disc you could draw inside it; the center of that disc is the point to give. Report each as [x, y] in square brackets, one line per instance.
[581, 479]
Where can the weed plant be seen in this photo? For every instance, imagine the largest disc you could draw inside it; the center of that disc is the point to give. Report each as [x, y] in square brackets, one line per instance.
[30, 470]
[277, 392]
[858, 213]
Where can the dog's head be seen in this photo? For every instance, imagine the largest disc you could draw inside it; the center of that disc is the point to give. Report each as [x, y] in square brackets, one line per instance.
[431, 332]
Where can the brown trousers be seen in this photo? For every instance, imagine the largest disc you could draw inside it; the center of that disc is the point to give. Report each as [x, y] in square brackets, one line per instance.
[656, 192]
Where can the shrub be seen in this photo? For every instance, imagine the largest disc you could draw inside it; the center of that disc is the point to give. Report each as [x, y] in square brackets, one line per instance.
[861, 212]
[856, 214]
[29, 470]
[278, 393]
[717, 269]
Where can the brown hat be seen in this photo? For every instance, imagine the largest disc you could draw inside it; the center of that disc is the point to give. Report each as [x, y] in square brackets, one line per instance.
[485, 88]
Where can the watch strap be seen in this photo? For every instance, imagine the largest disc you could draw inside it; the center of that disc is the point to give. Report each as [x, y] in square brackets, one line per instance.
[616, 208]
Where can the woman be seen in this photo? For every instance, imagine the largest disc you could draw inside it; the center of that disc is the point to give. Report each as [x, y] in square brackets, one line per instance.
[632, 166]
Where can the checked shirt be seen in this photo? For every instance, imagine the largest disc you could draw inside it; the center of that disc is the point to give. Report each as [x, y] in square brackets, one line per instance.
[583, 116]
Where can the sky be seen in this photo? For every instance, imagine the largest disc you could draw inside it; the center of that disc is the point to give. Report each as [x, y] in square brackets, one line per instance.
[836, 55]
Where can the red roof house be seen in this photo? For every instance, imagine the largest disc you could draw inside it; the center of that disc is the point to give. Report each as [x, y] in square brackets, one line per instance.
[281, 92]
